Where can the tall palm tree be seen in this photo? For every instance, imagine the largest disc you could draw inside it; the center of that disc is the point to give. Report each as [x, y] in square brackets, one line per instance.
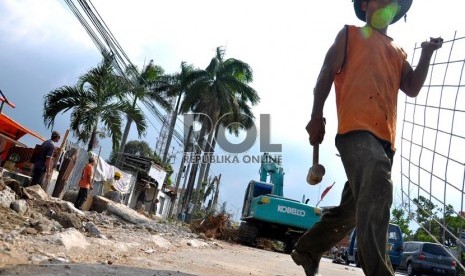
[141, 87]
[175, 86]
[97, 100]
[221, 89]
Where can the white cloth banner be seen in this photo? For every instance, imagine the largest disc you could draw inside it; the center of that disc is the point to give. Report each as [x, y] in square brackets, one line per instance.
[105, 171]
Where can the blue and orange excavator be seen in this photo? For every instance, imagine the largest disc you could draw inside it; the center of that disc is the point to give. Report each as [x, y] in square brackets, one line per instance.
[267, 213]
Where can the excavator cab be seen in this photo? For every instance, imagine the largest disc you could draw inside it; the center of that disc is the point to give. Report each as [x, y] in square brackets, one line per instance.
[255, 189]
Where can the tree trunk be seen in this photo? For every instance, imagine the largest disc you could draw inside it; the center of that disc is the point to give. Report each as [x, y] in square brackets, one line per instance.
[207, 153]
[93, 139]
[170, 133]
[123, 142]
[213, 145]
[190, 183]
[182, 199]
[217, 192]
[125, 137]
[195, 166]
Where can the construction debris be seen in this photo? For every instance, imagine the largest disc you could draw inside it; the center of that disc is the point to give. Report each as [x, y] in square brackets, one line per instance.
[32, 222]
[215, 227]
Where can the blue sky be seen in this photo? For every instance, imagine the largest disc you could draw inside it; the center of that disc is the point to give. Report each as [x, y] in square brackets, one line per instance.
[43, 47]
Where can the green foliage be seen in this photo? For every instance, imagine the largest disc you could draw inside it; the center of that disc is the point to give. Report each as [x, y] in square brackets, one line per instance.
[422, 235]
[139, 148]
[432, 218]
[222, 88]
[96, 103]
[135, 147]
[425, 210]
[400, 218]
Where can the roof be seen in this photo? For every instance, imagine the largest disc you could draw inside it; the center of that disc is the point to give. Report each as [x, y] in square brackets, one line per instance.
[14, 130]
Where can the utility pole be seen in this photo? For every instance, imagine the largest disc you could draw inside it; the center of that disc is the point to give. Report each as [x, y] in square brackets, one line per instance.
[174, 116]
[180, 172]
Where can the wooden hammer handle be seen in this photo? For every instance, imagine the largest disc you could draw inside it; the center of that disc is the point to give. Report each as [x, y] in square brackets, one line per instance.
[316, 153]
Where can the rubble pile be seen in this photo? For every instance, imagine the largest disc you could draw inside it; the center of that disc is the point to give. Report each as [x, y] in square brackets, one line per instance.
[36, 228]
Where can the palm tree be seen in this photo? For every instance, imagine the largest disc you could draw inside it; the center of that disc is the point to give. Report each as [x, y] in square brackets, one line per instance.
[221, 90]
[96, 100]
[141, 86]
[175, 86]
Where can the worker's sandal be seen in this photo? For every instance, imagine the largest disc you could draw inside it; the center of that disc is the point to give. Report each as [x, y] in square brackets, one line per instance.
[306, 261]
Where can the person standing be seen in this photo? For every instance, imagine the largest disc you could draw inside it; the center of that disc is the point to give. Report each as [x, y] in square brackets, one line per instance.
[43, 166]
[85, 183]
[142, 198]
[367, 69]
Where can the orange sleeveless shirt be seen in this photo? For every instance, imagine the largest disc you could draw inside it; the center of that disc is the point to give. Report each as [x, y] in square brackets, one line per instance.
[367, 86]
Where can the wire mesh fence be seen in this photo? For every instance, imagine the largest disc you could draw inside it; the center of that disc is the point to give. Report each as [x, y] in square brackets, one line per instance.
[433, 148]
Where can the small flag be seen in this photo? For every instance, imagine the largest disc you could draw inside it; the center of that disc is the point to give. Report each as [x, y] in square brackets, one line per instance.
[326, 191]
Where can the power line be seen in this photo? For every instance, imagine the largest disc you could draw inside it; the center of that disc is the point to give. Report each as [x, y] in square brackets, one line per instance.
[109, 46]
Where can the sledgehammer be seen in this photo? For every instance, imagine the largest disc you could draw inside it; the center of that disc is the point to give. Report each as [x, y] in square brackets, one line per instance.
[317, 171]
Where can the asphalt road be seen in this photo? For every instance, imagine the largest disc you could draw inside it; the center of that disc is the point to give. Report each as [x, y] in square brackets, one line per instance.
[327, 268]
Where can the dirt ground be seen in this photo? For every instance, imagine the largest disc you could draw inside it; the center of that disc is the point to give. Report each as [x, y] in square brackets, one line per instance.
[131, 250]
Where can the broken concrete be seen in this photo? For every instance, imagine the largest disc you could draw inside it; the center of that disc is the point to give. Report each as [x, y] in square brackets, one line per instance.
[71, 238]
[37, 192]
[67, 220]
[93, 229]
[196, 243]
[101, 204]
[19, 206]
[69, 207]
[7, 196]
[161, 242]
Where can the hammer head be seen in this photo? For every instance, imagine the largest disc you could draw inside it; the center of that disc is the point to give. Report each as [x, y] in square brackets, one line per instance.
[315, 174]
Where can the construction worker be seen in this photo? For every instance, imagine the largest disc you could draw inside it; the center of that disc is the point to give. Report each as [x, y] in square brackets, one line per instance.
[86, 183]
[110, 189]
[368, 70]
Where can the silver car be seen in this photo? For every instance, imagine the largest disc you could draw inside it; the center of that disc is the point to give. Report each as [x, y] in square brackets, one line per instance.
[427, 258]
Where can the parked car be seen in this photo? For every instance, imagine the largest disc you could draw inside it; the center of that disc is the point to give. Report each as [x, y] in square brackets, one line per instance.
[427, 258]
[395, 243]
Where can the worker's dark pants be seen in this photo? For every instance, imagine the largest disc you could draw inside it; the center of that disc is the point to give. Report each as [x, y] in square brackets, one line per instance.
[38, 175]
[365, 203]
[81, 198]
[114, 196]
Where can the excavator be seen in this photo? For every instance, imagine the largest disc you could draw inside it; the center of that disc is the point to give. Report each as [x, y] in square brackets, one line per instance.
[266, 213]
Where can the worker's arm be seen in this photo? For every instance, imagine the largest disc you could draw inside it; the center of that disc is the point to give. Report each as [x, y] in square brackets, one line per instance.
[48, 166]
[332, 64]
[413, 80]
[49, 161]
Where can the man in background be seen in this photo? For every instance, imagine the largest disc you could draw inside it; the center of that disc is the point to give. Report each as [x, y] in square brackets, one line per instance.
[43, 166]
[142, 198]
